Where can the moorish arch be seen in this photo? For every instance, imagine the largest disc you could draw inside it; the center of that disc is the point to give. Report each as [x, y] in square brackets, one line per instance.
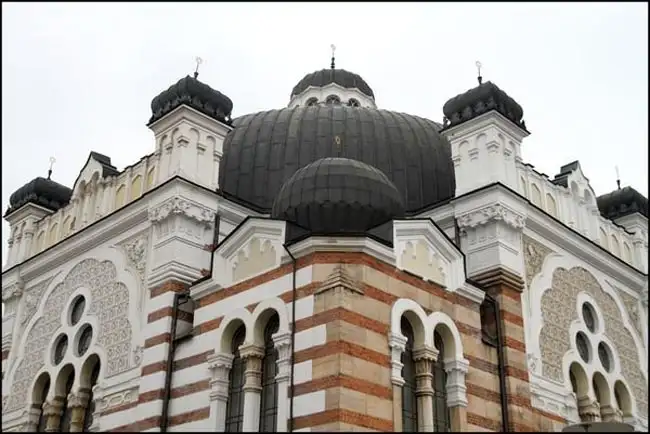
[105, 280]
[558, 290]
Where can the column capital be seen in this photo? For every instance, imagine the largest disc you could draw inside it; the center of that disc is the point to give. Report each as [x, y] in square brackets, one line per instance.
[249, 351]
[460, 365]
[425, 352]
[52, 408]
[78, 399]
[219, 361]
[397, 341]
[455, 387]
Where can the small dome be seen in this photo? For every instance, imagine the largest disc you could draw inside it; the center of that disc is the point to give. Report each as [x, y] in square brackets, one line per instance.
[195, 94]
[40, 191]
[622, 202]
[338, 195]
[479, 100]
[343, 78]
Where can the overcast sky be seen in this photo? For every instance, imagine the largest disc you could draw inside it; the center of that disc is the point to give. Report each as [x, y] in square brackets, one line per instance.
[80, 77]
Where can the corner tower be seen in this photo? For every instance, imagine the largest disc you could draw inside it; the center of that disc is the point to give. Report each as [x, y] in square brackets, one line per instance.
[190, 121]
[485, 128]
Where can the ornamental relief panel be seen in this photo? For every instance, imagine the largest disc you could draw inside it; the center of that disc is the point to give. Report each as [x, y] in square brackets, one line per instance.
[135, 250]
[534, 255]
[631, 306]
[558, 311]
[109, 303]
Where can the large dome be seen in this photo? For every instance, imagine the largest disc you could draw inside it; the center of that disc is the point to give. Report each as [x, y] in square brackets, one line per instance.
[336, 196]
[343, 78]
[266, 148]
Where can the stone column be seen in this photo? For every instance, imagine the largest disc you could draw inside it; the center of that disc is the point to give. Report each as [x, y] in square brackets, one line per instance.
[252, 355]
[33, 416]
[98, 396]
[610, 414]
[397, 344]
[457, 393]
[53, 410]
[282, 343]
[220, 365]
[589, 409]
[77, 403]
[424, 358]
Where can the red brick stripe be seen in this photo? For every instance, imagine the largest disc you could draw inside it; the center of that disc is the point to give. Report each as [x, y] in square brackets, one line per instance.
[153, 422]
[483, 422]
[153, 368]
[171, 286]
[345, 416]
[336, 347]
[118, 408]
[340, 313]
[163, 338]
[346, 381]
[167, 312]
[191, 361]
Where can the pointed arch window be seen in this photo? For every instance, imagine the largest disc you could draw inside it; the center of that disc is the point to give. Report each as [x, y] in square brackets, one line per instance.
[66, 414]
[269, 398]
[441, 419]
[409, 400]
[90, 407]
[235, 406]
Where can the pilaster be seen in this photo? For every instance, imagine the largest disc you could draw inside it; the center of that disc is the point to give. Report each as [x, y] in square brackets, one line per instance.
[282, 342]
[220, 365]
[397, 344]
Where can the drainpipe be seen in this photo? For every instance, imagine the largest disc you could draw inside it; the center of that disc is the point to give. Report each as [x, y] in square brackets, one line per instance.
[293, 332]
[505, 419]
[179, 299]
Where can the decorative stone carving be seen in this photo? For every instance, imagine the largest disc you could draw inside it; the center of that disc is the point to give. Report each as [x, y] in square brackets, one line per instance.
[558, 311]
[254, 258]
[533, 362]
[115, 399]
[32, 300]
[252, 355]
[179, 205]
[109, 302]
[135, 250]
[282, 343]
[419, 259]
[456, 389]
[340, 277]
[12, 291]
[137, 355]
[397, 346]
[220, 365]
[534, 255]
[487, 214]
[631, 306]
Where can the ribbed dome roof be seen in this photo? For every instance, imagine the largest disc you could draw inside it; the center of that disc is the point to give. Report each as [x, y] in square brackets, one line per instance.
[343, 78]
[336, 196]
[479, 100]
[267, 148]
[195, 94]
[40, 191]
[622, 202]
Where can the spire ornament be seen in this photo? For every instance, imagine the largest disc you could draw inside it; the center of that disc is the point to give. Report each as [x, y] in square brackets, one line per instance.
[198, 61]
[478, 67]
[333, 47]
[49, 172]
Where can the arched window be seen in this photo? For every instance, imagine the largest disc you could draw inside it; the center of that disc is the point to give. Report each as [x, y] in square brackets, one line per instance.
[551, 207]
[312, 101]
[43, 388]
[616, 250]
[333, 99]
[66, 414]
[150, 178]
[136, 187]
[535, 195]
[627, 253]
[119, 196]
[409, 400]
[235, 406]
[603, 237]
[441, 419]
[269, 398]
[353, 103]
[53, 234]
[90, 407]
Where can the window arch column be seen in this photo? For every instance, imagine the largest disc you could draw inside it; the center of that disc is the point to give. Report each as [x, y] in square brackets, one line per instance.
[220, 365]
[397, 346]
[424, 358]
[457, 393]
[77, 403]
[53, 410]
[252, 355]
[282, 342]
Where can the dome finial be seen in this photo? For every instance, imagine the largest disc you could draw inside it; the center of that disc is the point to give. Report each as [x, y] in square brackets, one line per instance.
[478, 66]
[618, 178]
[49, 172]
[198, 61]
[333, 47]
